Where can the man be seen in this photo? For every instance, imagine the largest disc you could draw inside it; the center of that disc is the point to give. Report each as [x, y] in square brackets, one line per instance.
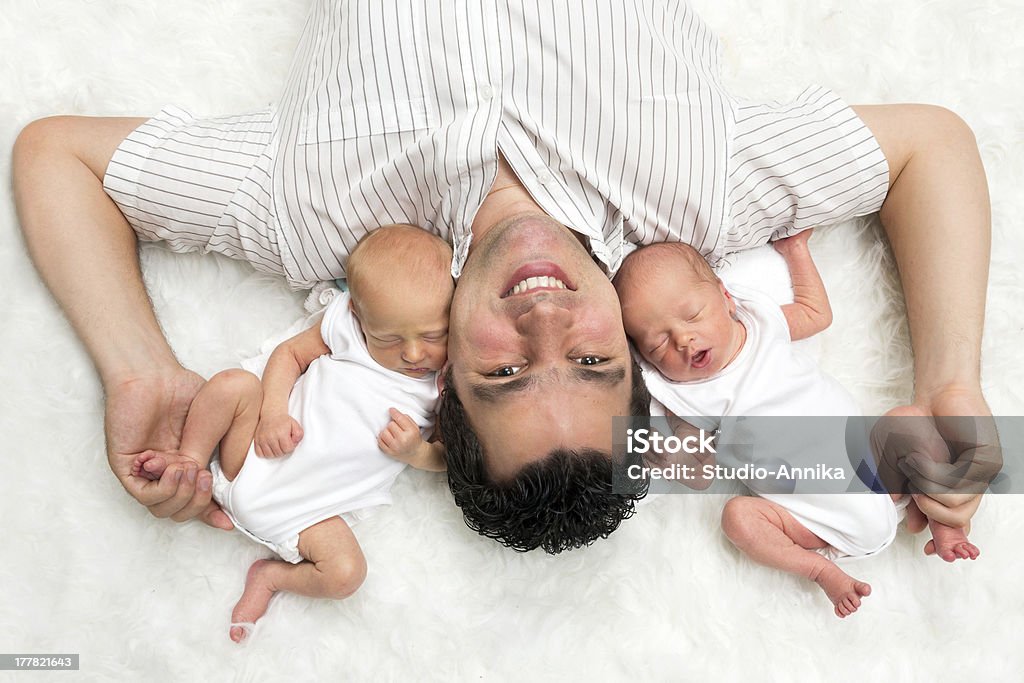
[519, 138]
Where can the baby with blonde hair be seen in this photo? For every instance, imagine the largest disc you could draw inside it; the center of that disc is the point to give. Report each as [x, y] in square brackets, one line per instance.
[302, 451]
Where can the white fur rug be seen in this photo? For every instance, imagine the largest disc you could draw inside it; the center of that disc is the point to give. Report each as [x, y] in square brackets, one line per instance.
[88, 570]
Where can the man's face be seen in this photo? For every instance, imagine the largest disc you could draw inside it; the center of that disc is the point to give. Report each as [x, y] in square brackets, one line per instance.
[538, 354]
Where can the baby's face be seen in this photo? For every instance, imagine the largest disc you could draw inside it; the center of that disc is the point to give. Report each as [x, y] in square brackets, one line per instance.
[682, 325]
[405, 330]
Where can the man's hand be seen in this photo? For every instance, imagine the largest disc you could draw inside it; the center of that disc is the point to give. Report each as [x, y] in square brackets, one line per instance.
[149, 414]
[277, 436]
[949, 450]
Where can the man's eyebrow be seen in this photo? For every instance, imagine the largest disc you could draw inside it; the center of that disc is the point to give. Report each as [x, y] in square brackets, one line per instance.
[489, 392]
[609, 378]
[492, 392]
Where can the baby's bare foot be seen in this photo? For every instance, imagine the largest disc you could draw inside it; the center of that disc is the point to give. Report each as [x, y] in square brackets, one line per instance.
[151, 464]
[842, 589]
[950, 543]
[254, 601]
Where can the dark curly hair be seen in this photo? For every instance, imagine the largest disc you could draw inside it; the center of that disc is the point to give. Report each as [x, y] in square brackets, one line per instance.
[567, 500]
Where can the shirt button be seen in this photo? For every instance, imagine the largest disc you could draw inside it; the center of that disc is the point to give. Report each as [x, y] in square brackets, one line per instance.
[486, 92]
[544, 177]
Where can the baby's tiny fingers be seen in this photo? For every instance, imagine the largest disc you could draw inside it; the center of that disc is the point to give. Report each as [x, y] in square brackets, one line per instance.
[401, 419]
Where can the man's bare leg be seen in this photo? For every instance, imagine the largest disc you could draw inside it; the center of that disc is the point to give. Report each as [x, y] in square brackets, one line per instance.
[938, 219]
[769, 535]
[225, 413]
[335, 568]
[86, 254]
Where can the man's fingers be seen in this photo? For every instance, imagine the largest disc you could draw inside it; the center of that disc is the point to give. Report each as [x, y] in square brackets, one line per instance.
[971, 471]
[199, 500]
[178, 487]
[957, 516]
[213, 516]
[146, 491]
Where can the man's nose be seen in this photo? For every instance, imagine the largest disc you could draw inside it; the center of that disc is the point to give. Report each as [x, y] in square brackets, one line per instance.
[543, 319]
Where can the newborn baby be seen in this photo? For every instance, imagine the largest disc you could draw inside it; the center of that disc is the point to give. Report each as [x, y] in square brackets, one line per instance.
[302, 454]
[718, 353]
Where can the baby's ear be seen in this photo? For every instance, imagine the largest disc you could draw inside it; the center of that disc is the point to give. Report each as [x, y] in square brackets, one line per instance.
[728, 298]
[439, 380]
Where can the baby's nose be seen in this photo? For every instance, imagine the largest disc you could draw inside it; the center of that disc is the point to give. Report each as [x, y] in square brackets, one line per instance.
[412, 352]
[683, 339]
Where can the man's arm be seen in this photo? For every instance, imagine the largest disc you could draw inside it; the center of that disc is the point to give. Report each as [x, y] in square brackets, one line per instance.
[810, 312]
[86, 253]
[278, 433]
[937, 217]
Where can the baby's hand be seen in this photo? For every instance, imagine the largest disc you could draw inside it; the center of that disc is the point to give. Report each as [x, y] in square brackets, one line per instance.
[789, 244]
[401, 438]
[277, 436]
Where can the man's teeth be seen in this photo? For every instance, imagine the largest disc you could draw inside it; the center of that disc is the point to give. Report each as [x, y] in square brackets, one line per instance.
[535, 283]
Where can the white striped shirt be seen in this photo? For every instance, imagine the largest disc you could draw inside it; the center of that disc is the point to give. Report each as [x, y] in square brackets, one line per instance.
[610, 112]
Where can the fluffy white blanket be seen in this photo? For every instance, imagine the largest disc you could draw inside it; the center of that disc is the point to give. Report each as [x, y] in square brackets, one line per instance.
[88, 570]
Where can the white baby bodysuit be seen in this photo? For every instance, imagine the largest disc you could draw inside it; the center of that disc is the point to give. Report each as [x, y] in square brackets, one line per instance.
[770, 377]
[342, 403]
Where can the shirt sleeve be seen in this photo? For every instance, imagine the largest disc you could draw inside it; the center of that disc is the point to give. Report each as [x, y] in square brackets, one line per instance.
[769, 313]
[338, 325]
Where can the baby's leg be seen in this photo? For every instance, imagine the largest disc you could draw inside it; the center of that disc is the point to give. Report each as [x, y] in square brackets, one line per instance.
[335, 569]
[769, 535]
[225, 411]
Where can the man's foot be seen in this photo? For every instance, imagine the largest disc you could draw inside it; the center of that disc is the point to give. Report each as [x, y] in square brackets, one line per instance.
[254, 601]
[842, 589]
[950, 544]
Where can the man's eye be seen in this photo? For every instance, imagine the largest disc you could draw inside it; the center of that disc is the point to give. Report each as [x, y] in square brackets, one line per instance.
[505, 371]
[591, 360]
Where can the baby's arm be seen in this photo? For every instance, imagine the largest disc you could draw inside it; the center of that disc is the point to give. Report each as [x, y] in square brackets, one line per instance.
[698, 481]
[402, 441]
[810, 312]
[278, 433]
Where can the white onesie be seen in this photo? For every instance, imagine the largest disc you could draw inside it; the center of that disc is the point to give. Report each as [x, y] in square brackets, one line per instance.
[342, 403]
[770, 377]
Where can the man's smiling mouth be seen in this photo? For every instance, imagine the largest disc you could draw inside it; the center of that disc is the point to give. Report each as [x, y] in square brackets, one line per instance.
[531, 284]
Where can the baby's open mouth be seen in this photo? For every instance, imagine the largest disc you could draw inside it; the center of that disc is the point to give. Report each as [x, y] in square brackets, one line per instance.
[700, 359]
